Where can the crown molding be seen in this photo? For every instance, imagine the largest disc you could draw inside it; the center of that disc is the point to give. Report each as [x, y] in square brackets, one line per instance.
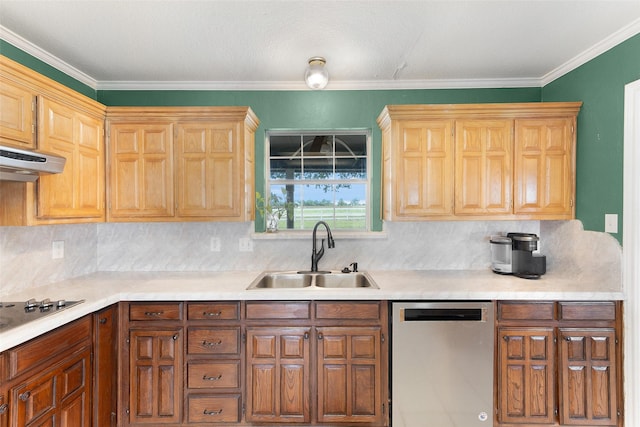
[601, 47]
[598, 49]
[44, 56]
[333, 85]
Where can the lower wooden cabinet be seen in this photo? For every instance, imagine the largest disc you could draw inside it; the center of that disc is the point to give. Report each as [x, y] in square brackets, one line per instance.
[559, 363]
[48, 380]
[105, 367]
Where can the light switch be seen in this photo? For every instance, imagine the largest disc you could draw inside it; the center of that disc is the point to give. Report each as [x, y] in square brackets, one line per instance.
[611, 223]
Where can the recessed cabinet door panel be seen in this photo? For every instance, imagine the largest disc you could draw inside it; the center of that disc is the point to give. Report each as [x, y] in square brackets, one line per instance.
[425, 167]
[16, 114]
[155, 376]
[349, 376]
[588, 377]
[525, 388]
[278, 386]
[483, 166]
[207, 168]
[141, 171]
[544, 167]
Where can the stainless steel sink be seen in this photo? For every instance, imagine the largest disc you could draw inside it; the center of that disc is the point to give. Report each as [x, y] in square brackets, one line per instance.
[309, 280]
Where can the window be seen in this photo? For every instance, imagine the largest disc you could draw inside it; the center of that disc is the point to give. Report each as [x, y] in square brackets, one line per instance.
[320, 176]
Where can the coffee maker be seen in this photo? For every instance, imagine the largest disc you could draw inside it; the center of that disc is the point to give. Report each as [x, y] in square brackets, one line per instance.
[514, 254]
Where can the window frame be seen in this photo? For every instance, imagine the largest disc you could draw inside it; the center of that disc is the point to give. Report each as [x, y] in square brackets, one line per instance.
[314, 132]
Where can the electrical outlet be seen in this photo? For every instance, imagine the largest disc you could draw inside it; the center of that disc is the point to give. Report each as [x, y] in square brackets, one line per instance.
[57, 249]
[215, 244]
[245, 244]
[611, 223]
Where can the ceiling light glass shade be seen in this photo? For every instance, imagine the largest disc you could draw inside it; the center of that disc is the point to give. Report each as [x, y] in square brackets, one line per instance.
[316, 75]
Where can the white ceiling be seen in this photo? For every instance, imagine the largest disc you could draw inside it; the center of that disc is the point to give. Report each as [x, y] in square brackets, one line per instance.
[259, 44]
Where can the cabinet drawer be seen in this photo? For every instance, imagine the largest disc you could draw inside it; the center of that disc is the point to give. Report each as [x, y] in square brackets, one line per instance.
[156, 311]
[348, 310]
[213, 341]
[41, 349]
[278, 310]
[605, 310]
[213, 311]
[214, 409]
[213, 375]
[508, 310]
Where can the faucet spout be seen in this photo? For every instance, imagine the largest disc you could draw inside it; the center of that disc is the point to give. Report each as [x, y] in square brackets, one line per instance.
[317, 254]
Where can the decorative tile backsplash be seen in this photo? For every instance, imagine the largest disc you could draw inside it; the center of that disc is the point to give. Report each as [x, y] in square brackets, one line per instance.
[26, 252]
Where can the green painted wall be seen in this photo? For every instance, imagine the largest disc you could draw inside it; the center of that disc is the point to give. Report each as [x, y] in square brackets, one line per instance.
[43, 68]
[599, 84]
[319, 110]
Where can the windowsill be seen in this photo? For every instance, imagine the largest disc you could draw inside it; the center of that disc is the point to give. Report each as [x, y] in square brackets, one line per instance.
[306, 234]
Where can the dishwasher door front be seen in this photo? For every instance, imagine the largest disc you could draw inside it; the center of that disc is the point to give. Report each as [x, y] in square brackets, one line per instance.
[442, 364]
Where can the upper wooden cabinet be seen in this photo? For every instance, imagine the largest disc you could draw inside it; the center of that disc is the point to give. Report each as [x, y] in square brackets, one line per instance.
[66, 123]
[180, 164]
[478, 161]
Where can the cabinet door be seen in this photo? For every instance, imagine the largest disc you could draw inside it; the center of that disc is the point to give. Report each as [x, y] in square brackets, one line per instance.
[526, 373]
[105, 390]
[545, 167]
[349, 375]
[277, 384]
[74, 393]
[77, 192]
[424, 168]
[17, 109]
[207, 157]
[483, 167]
[587, 371]
[141, 170]
[155, 376]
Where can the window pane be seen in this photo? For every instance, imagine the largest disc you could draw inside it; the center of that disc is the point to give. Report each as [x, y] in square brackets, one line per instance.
[324, 176]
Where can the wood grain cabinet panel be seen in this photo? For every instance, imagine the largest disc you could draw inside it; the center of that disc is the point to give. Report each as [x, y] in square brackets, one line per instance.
[349, 374]
[105, 372]
[544, 181]
[483, 166]
[278, 368]
[526, 377]
[17, 112]
[79, 190]
[155, 376]
[588, 378]
[141, 170]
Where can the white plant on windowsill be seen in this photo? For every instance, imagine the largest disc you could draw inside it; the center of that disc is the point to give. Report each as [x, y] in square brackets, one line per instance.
[273, 209]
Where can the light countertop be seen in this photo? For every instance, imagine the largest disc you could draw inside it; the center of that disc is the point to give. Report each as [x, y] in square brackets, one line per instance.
[101, 289]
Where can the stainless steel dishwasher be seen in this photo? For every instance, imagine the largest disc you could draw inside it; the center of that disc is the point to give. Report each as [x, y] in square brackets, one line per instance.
[442, 364]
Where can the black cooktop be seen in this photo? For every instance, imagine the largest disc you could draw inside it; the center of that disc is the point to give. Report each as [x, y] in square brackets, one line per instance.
[14, 314]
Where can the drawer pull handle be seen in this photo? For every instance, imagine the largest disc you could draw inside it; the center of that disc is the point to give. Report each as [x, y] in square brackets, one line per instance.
[207, 378]
[211, 343]
[213, 412]
[25, 396]
[153, 313]
[211, 314]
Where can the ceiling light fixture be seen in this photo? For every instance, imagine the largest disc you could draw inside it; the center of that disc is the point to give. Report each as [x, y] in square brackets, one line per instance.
[316, 75]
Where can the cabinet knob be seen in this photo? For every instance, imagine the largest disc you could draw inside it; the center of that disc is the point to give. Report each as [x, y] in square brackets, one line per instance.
[320, 336]
[306, 335]
[506, 338]
[3, 408]
[175, 337]
[25, 396]
[103, 320]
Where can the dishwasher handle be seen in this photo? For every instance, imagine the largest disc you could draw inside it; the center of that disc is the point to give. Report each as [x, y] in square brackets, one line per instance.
[443, 315]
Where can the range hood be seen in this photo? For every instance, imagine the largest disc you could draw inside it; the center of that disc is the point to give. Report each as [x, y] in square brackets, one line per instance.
[27, 165]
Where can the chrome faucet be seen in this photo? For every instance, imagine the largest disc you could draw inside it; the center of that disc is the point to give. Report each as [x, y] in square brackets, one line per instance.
[315, 256]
